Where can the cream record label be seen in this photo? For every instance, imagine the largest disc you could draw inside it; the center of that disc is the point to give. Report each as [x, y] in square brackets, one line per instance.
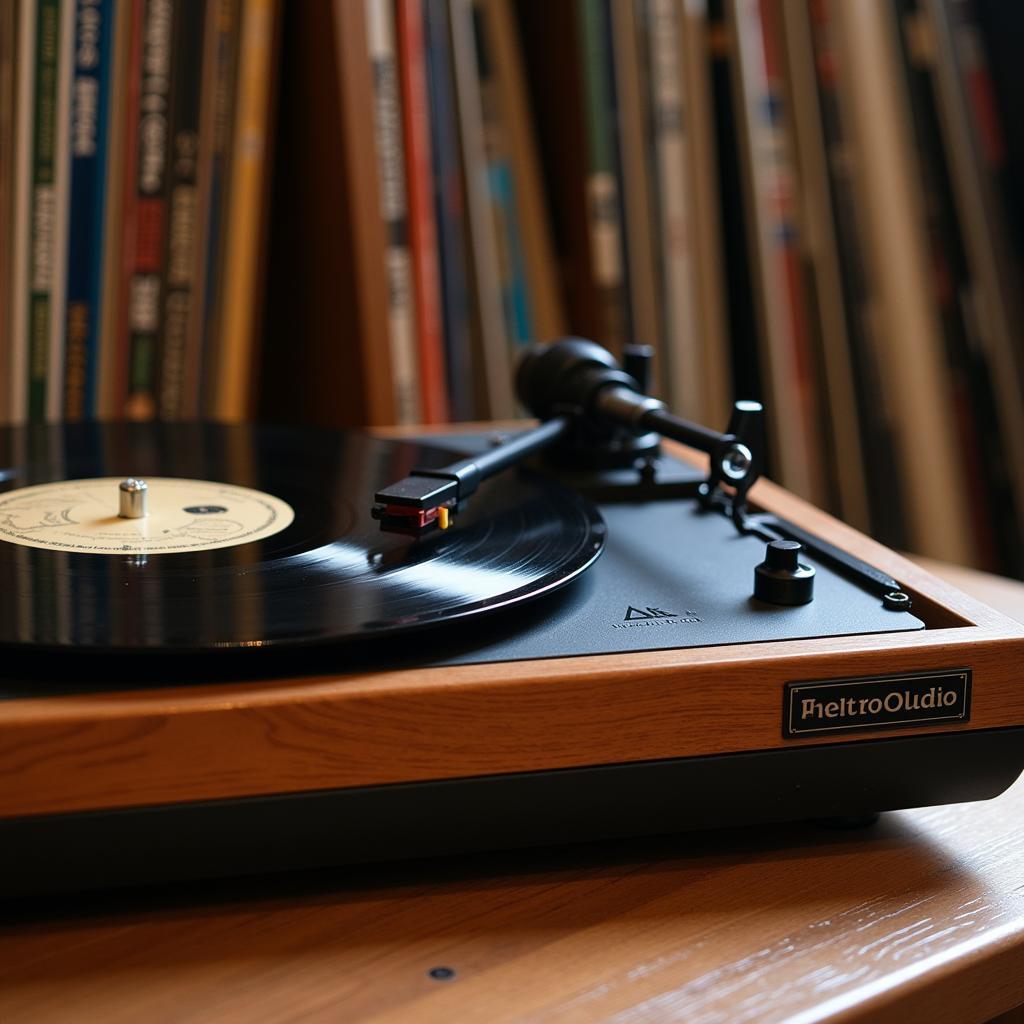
[180, 516]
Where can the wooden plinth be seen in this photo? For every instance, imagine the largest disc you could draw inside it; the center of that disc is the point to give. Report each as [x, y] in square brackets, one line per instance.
[919, 919]
[146, 746]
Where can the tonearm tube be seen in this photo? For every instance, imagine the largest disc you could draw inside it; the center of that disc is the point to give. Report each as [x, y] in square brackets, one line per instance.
[576, 387]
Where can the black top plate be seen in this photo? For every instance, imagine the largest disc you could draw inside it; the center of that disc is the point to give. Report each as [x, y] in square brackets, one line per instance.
[330, 576]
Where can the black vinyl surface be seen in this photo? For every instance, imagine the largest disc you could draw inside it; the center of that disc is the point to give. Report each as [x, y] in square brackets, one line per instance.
[330, 576]
[325, 594]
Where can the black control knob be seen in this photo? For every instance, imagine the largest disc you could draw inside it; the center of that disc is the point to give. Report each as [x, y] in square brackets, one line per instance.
[781, 578]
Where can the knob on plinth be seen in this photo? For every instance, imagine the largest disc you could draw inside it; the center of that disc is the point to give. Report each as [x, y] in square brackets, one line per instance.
[781, 578]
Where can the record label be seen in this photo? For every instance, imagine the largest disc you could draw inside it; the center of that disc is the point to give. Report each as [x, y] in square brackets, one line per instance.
[182, 516]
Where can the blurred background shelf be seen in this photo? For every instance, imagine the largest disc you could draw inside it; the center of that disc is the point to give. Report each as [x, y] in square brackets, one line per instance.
[358, 212]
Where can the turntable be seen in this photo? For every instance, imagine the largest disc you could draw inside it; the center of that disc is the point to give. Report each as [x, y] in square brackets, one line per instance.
[236, 649]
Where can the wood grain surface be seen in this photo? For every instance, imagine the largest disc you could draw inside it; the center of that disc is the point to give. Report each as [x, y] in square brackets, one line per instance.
[132, 747]
[918, 919]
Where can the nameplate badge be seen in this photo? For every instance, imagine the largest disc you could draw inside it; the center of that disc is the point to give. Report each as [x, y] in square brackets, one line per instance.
[877, 702]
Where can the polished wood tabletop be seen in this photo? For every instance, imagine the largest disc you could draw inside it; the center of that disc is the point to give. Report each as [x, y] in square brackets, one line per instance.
[918, 918]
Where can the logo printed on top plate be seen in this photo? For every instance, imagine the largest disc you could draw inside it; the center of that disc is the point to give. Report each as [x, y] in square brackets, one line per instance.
[652, 616]
[649, 613]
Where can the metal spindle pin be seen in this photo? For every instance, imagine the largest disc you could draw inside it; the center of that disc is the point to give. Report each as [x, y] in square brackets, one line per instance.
[133, 494]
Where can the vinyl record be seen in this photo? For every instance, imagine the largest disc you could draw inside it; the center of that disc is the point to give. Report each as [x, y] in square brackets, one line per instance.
[256, 536]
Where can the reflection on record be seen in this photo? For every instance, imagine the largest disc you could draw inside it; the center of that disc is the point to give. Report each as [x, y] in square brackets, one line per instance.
[328, 574]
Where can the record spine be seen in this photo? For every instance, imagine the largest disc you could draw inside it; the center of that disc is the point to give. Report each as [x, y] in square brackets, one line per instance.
[982, 463]
[422, 223]
[971, 132]
[517, 299]
[841, 389]
[706, 202]
[602, 182]
[539, 273]
[747, 374]
[8, 120]
[54, 397]
[449, 204]
[114, 395]
[493, 365]
[150, 208]
[394, 208]
[89, 146]
[17, 383]
[909, 346]
[235, 381]
[43, 204]
[180, 255]
[362, 229]
[217, 94]
[797, 299]
[636, 131]
[555, 75]
[885, 488]
[225, 95]
[778, 302]
[670, 123]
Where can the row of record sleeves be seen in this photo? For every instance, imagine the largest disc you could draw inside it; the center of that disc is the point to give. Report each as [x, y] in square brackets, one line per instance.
[133, 181]
[360, 211]
[811, 203]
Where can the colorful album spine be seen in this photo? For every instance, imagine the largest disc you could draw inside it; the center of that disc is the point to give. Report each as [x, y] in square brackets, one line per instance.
[492, 366]
[145, 290]
[705, 205]
[633, 74]
[61, 215]
[449, 205]
[43, 204]
[603, 200]
[914, 374]
[380, 30]
[675, 231]
[785, 251]
[8, 114]
[89, 125]
[235, 381]
[16, 383]
[113, 393]
[1000, 190]
[747, 376]
[180, 256]
[422, 222]
[515, 286]
[203, 330]
[972, 402]
[515, 290]
[111, 276]
[887, 503]
[976, 150]
[767, 192]
[536, 264]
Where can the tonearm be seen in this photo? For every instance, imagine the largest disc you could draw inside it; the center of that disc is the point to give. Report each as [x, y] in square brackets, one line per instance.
[586, 401]
[591, 407]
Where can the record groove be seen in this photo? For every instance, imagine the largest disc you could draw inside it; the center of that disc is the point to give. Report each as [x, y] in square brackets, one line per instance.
[329, 576]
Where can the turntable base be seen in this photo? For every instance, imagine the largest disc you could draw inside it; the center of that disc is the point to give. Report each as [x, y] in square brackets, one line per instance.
[473, 737]
[916, 918]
